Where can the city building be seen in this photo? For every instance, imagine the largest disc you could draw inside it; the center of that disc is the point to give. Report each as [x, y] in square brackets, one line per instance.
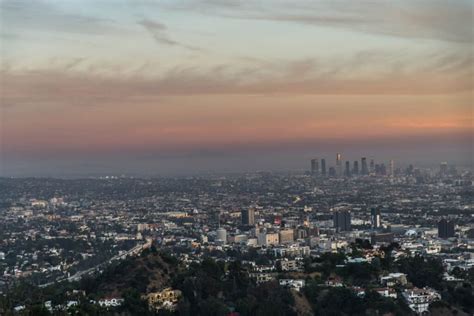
[110, 302]
[443, 168]
[268, 239]
[315, 166]
[382, 238]
[393, 279]
[286, 264]
[286, 236]
[338, 165]
[296, 284]
[347, 171]
[323, 167]
[420, 299]
[166, 299]
[342, 220]
[363, 163]
[248, 217]
[221, 235]
[355, 168]
[375, 218]
[372, 166]
[445, 229]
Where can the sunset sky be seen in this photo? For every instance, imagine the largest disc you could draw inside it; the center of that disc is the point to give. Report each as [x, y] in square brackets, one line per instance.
[176, 87]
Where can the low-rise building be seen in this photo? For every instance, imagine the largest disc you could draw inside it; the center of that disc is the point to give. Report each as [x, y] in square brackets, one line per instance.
[165, 299]
[420, 299]
[296, 284]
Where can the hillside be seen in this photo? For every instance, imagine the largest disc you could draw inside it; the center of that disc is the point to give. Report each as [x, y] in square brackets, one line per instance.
[149, 272]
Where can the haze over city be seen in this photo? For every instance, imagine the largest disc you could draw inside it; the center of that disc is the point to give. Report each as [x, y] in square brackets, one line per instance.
[171, 87]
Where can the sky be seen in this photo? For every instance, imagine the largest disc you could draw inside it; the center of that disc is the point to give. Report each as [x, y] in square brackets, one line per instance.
[183, 87]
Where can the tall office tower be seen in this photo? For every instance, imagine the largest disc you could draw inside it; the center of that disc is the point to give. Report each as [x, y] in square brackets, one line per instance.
[383, 169]
[372, 166]
[443, 168]
[375, 218]
[338, 164]
[348, 169]
[363, 164]
[355, 169]
[392, 168]
[452, 170]
[248, 217]
[315, 166]
[445, 229]
[323, 167]
[342, 220]
[332, 172]
[377, 169]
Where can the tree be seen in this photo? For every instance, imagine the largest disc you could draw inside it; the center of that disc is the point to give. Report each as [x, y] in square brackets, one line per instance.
[422, 271]
[213, 307]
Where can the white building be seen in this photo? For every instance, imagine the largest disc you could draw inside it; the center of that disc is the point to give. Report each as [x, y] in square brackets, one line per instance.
[420, 299]
[296, 284]
[221, 235]
[110, 302]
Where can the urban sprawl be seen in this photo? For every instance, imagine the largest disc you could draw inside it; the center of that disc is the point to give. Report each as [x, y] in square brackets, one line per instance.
[357, 226]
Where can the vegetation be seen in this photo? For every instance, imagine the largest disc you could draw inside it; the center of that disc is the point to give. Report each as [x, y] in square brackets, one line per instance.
[218, 287]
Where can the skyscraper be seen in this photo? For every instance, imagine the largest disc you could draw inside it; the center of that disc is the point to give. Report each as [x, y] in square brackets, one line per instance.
[315, 166]
[445, 229]
[248, 217]
[383, 169]
[363, 164]
[338, 164]
[372, 166]
[377, 169]
[355, 169]
[323, 167]
[375, 218]
[332, 172]
[443, 168]
[342, 220]
[392, 168]
[348, 169]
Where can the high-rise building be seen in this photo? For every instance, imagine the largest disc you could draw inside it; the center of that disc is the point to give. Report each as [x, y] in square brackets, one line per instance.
[364, 169]
[323, 167]
[338, 164]
[377, 169]
[342, 220]
[332, 171]
[347, 171]
[375, 218]
[445, 229]
[221, 235]
[315, 166]
[266, 239]
[392, 168]
[383, 169]
[372, 166]
[443, 168]
[286, 236]
[355, 168]
[248, 217]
